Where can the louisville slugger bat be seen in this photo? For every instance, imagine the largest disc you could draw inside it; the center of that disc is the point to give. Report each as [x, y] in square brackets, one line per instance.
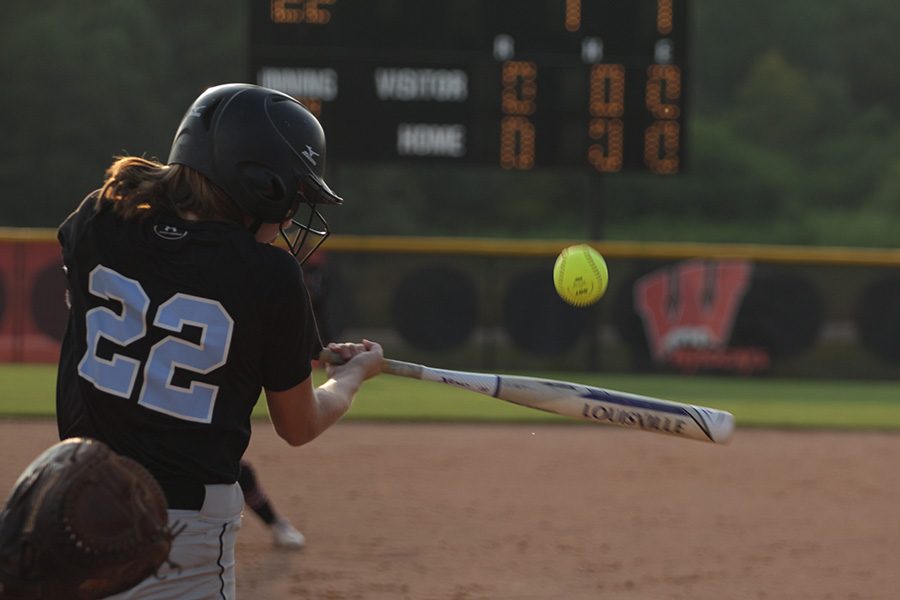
[594, 404]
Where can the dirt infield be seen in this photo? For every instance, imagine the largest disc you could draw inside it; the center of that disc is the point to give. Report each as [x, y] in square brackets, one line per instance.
[523, 512]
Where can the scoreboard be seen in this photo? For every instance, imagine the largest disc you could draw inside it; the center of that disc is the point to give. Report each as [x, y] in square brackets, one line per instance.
[520, 84]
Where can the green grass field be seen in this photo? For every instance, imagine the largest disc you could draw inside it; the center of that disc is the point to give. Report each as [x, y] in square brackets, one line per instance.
[28, 390]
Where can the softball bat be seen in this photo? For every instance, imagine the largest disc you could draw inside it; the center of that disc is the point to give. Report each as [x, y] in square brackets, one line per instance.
[594, 404]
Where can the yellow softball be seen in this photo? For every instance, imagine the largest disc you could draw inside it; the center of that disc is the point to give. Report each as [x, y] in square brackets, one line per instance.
[580, 275]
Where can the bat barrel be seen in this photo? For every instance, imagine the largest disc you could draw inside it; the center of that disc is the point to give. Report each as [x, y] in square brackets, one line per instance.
[623, 409]
[695, 422]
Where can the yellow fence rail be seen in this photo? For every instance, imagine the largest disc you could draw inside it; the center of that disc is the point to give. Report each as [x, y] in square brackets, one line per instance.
[879, 257]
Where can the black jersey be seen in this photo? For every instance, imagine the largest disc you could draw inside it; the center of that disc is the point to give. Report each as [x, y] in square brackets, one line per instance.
[174, 328]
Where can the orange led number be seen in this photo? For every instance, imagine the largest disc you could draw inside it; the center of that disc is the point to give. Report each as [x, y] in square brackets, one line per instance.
[518, 100]
[516, 143]
[607, 90]
[606, 129]
[605, 154]
[663, 91]
[301, 11]
[664, 16]
[519, 88]
[573, 15]
[662, 140]
[661, 145]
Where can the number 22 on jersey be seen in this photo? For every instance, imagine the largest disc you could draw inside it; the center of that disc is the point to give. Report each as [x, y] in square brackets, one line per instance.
[118, 375]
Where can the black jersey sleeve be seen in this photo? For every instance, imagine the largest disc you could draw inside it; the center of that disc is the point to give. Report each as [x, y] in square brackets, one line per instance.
[76, 223]
[293, 341]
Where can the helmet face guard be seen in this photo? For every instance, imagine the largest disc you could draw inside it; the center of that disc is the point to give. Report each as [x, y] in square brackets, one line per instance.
[314, 228]
[295, 235]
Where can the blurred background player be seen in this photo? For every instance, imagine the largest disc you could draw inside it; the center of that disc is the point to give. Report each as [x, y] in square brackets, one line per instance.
[182, 312]
[284, 534]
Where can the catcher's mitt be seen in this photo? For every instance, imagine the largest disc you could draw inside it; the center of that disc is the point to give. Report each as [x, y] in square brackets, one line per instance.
[82, 522]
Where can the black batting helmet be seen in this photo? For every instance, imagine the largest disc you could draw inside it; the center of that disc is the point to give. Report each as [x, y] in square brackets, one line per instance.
[261, 147]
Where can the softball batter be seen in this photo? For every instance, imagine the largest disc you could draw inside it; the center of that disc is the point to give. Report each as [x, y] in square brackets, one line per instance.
[182, 312]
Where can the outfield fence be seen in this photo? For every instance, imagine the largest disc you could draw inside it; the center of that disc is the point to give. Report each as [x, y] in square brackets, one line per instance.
[489, 304]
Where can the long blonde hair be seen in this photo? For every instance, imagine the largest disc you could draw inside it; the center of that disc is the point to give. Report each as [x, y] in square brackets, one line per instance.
[139, 187]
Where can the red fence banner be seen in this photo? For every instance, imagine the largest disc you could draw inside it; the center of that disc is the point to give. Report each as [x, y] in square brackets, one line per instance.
[32, 301]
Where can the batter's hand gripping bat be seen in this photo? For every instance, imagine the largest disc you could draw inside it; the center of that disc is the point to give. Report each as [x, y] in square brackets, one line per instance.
[593, 404]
